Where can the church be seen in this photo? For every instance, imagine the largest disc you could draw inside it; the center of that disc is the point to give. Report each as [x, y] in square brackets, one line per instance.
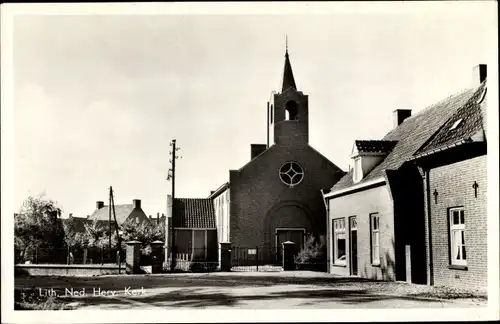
[276, 196]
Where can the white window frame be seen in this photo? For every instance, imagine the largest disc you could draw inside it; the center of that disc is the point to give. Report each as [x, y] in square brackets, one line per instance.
[339, 230]
[375, 238]
[456, 248]
[455, 124]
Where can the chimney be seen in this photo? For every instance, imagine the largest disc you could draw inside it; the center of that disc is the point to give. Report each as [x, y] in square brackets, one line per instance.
[150, 218]
[137, 203]
[88, 216]
[478, 74]
[256, 149]
[157, 218]
[70, 215]
[400, 115]
[99, 204]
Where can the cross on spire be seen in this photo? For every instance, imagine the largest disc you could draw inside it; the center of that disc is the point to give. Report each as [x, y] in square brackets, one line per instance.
[288, 79]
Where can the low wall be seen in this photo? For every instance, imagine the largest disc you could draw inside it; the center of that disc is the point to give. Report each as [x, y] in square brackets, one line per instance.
[77, 270]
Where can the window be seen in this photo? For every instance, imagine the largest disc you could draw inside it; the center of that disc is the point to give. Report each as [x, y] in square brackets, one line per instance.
[457, 236]
[291, 174]
[291, 110]
[455, 124]
[358, 172]
[339, 242]
[375, 238]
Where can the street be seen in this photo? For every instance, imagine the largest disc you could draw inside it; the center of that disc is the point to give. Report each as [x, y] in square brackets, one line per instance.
[294, 290]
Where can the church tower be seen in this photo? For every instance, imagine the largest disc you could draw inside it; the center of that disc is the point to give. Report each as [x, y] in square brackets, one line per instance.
[288, 112]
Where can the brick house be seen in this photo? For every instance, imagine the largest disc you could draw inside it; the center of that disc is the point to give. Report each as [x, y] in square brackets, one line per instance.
[275, 197]
[454, 167]
[377, 225]
[124, 212]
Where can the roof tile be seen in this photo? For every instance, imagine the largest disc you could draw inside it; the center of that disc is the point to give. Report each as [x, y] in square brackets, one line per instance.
[193, 213]
[372, 146]
[412, 134]
[122, 213]
[469, 121]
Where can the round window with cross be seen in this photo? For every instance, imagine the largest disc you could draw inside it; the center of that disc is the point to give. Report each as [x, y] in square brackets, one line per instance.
[291, 173]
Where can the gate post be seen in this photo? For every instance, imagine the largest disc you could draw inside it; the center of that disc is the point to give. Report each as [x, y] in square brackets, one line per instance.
[408, 263]
[225, 256]
[288, 256]
[133, 257]
[156, 253]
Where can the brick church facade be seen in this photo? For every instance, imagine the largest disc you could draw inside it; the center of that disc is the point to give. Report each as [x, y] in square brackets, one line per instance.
[276, 196]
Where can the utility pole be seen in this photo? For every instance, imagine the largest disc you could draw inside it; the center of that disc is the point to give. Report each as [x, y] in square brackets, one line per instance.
[112, 204]
[109, 208]
[171, 176]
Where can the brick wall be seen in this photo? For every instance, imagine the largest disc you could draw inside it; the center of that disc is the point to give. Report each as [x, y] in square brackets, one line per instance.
[288, 132]
[453, 183]
[361, 204]
[73, 270]
[260, 202]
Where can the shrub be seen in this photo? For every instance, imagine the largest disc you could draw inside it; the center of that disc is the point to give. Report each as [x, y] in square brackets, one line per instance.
[203, 266]
[311, 256]
[30, 299]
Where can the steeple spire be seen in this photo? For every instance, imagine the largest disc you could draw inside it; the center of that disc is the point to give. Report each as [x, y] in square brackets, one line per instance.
[288, 80]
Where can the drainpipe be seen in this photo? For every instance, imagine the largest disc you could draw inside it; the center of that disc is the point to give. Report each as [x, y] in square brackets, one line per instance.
[327, 208]
[430, 274]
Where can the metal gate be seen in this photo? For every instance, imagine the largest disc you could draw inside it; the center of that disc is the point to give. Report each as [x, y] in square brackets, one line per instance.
[259, 258]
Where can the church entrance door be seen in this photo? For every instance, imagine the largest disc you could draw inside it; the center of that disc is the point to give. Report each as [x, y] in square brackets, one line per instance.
[295, 235]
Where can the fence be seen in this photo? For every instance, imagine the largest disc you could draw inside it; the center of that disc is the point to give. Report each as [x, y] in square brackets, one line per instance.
[74, 255]
[258, 258]
[270, 258]
[198, 260]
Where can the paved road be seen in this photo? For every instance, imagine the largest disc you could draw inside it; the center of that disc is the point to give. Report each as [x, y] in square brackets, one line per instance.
[230, 291]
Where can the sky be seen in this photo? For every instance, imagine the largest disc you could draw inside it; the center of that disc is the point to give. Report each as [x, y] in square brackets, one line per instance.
[98, 98]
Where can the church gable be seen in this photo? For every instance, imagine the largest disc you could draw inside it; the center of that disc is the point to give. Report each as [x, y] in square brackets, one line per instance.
[272, 162]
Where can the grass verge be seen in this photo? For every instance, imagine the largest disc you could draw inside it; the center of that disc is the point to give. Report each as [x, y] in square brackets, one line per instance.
[30, 299]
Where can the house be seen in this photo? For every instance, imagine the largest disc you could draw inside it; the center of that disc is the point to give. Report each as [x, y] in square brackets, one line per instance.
[125, 212]
[194, 224]
[377, 217]
[77, 224]
[159, 220]
[454, 168]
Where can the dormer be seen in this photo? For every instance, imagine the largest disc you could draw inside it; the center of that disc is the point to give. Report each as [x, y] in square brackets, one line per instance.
[367, 155]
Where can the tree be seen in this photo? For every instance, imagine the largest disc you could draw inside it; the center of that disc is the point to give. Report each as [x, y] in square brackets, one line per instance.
[37, 225]
[95, 234]
[143, 232]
